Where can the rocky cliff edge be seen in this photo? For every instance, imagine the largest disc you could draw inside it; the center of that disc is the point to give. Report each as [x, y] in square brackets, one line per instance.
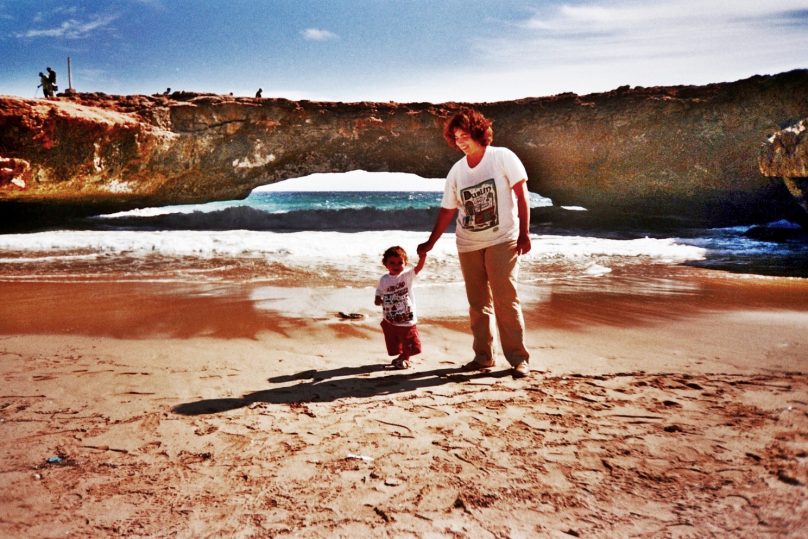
[785, 155]
[686, 152]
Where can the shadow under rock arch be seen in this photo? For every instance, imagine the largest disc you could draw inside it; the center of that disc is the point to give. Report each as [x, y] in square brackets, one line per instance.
[318, 390]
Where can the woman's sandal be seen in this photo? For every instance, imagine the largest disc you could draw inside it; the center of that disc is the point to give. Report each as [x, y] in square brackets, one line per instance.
[401, 364]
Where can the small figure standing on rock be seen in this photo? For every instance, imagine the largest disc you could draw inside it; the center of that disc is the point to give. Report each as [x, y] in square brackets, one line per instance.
[45, 84]
[259, 92]
[52, 79]
[394, 294]
[167, 92]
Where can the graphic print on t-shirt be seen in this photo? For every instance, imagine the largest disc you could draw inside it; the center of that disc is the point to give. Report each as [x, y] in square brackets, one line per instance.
[396, 304]
[480, 206]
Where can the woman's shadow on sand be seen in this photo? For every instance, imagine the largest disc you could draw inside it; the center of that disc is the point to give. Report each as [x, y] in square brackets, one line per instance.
[334, 384]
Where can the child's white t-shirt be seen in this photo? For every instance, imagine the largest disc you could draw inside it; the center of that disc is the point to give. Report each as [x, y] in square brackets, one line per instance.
[398, 302]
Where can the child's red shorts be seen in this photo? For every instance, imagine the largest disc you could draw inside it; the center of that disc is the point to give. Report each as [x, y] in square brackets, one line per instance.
[400, 339]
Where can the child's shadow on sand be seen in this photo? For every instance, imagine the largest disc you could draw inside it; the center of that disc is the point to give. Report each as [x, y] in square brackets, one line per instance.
[357, 386]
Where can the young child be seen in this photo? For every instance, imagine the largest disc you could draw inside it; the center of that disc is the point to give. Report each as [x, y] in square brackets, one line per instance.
[394, 294]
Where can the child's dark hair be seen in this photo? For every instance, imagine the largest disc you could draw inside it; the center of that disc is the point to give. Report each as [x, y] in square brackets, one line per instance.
[394, 251]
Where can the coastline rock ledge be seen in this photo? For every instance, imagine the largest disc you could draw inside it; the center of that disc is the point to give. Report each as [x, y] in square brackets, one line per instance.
[686, 153]
[785, 155]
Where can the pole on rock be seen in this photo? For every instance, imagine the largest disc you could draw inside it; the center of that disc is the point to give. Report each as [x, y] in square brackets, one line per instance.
[69, 76]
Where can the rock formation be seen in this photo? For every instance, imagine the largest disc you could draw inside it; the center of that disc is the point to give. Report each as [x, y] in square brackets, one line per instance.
[785, 155]
[685, 151]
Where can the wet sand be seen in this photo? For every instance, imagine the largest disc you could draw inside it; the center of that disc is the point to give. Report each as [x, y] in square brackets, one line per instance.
[661, 409]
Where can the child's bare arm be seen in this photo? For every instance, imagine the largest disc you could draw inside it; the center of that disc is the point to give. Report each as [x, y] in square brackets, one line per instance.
[378, 300]
[420, 265]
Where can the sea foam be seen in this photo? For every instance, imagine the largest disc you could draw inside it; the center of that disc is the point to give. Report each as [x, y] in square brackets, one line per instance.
[356, 255]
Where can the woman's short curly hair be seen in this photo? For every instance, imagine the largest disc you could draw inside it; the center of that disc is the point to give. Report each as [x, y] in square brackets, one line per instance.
[472, 122]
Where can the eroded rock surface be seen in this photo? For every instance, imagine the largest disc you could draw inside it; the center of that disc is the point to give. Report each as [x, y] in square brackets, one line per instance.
[785, 155]
[686, 151]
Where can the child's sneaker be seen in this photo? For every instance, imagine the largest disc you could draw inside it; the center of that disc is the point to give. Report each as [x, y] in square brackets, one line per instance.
[401, 363]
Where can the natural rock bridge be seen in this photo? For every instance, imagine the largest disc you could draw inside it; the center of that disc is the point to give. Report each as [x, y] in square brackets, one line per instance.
[690, 152]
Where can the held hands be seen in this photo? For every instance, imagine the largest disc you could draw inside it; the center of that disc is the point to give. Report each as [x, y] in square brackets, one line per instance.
[422, 250]
[421, 260]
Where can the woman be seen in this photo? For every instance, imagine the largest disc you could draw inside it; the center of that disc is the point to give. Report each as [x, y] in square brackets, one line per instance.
[486, 191]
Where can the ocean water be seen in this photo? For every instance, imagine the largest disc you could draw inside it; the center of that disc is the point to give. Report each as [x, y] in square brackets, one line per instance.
[312, 238]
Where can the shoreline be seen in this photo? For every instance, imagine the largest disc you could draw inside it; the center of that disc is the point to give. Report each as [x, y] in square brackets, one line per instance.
[663, 407]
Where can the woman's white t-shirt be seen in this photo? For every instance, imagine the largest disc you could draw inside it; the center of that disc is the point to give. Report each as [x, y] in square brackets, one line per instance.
[484, 197]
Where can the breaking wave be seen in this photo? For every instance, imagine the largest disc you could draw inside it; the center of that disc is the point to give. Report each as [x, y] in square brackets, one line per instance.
[249, 218]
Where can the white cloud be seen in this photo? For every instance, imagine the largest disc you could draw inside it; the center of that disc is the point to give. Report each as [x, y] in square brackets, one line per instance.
[58, 11]
[634, 15]
[71, 28]
[318, 34]
[600, 44]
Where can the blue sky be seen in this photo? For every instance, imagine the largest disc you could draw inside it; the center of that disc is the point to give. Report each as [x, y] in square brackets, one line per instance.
[400, 50]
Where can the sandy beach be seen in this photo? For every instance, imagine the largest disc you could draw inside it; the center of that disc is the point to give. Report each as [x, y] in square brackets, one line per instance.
[162, 409]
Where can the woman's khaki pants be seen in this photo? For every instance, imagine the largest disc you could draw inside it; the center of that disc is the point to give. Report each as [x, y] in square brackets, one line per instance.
[490, 276]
